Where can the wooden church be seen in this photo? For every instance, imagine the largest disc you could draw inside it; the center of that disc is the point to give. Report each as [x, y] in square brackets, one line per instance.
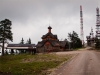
[50, 43]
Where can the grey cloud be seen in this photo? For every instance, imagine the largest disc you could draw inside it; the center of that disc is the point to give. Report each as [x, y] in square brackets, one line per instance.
[62, 15]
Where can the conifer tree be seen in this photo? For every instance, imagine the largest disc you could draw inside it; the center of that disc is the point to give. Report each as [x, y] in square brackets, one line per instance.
[22, 41]
[5, 32]
[28, 41]
[75, 40]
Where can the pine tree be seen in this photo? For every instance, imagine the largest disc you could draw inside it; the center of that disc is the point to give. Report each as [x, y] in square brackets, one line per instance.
[5, 32]
[28, 41]
[22, 41]
[75, 40]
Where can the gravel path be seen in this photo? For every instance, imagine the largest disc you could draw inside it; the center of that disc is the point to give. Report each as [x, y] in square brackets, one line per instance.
[86, 62]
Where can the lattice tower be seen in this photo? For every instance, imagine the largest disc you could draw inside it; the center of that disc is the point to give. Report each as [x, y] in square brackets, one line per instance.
[97, 23]
[81, 25]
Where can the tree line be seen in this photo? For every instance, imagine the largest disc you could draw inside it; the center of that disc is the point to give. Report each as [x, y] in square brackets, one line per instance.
[74, 40]
[27, 42]
[7, 35]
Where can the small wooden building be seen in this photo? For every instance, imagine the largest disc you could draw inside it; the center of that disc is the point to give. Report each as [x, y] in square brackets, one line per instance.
[22, 48]
[50, 43]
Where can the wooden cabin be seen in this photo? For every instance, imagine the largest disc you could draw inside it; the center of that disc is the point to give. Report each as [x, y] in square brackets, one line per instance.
[50, 43]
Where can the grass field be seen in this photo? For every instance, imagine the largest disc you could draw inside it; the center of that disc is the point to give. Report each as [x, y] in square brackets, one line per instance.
[25, 64]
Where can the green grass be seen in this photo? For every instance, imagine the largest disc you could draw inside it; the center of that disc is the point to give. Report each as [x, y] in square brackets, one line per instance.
[25, 64]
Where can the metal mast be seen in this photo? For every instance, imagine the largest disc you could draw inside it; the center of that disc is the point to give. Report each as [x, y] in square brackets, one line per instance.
[97, 23]
[91, 33]
[81, 24]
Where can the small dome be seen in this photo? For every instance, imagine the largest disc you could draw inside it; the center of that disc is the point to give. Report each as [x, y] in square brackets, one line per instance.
[49, 27]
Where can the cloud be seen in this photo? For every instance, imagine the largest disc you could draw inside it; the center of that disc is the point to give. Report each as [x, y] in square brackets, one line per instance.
[30, 18]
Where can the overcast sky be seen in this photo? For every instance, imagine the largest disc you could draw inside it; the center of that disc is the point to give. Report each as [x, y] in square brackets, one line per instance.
[30, 18]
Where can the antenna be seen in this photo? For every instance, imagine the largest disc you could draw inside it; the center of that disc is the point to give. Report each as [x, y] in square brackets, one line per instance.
[91, 33]
[81, 25]
[97, 23]
[49, 22]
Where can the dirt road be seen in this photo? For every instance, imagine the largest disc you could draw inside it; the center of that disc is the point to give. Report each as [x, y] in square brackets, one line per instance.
[86, 62]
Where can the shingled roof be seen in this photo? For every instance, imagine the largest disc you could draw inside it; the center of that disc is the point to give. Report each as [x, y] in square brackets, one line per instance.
[53, 43]
[20, 46]
[49, 34]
